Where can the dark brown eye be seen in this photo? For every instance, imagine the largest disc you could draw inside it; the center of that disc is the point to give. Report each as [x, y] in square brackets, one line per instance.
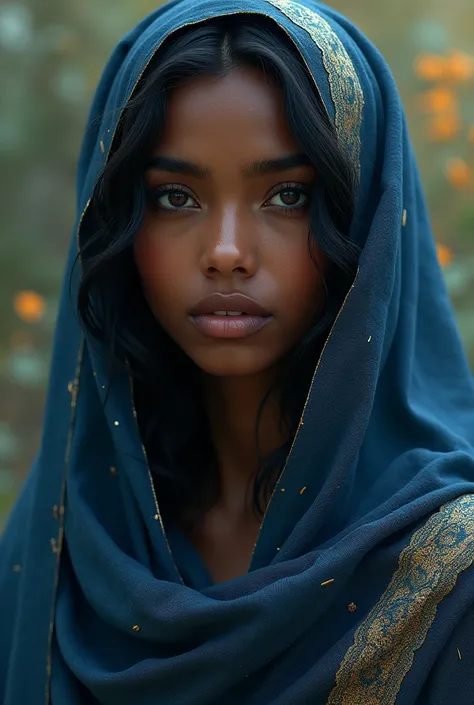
[177, 199]
[169, 198]
[290, 197]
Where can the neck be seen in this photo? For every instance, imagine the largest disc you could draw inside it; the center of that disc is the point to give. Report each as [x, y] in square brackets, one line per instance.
[232, 405]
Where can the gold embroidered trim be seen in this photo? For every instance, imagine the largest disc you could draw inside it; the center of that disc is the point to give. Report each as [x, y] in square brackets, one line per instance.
[385, 643]
[346, 91]
[57, 545]
[157, 516]
[280, 479]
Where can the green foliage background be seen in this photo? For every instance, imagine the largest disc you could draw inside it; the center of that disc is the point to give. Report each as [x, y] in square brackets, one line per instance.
[51, 56]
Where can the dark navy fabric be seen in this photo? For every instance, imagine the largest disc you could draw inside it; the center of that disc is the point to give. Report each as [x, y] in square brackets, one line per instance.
[361, 586]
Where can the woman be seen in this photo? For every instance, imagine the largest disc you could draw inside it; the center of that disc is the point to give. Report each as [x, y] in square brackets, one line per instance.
[256, 478]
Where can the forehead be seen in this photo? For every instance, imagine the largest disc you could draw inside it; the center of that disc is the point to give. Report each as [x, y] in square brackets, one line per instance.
[241, 108]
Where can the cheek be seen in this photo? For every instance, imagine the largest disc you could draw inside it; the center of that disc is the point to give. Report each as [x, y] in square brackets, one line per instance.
[303, 287]
[156, 267]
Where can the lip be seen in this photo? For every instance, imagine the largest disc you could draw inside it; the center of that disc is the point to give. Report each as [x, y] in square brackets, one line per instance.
[254, 316]
[229, 326]
[229, 302]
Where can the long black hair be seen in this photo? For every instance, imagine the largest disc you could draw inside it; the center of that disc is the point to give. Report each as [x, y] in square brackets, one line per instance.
[111, 303]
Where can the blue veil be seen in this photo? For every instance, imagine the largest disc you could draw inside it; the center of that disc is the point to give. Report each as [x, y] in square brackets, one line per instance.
[361, 585]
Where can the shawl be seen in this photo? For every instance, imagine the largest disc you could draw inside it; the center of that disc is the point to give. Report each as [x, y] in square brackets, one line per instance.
[361, 585]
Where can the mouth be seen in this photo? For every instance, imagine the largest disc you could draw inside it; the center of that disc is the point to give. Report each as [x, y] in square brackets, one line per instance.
[228, 313]
[229, 305]
[229, 316]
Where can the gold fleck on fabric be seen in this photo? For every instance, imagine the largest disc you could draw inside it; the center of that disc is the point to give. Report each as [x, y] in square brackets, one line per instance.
[55, 512]
[344, 84]
[16, 568]
[352, 607]
[136, 628]
[404, 218]
[54, 545]
[327, 582]
[303, 490]
[384, 645]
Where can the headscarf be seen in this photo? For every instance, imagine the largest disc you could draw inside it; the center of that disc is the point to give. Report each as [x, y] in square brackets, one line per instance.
[361, 584]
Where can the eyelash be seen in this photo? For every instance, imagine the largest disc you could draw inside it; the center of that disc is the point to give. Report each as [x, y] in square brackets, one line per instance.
[154, 194]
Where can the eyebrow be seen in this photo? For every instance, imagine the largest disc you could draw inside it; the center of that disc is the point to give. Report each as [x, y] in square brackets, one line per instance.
[259, 168]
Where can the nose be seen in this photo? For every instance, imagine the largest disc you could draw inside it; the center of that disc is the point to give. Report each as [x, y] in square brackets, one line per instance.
[229, 248]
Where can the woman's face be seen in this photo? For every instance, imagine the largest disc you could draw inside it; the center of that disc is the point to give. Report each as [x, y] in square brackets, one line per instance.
[228, 214]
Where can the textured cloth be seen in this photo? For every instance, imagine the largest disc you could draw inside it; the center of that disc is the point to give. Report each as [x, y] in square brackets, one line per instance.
[361, 586]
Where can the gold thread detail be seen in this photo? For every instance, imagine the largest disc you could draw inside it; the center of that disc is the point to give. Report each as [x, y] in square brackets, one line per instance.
[384, 645]
[78, 233]
[303, 490]
[60, 541]
[352, 606]
[55, 512]
[346, 91]
[277, 485]
[404, 218]
[102, 148]
[327, 582]
[459, 654]
[157, 516]
[136, 628]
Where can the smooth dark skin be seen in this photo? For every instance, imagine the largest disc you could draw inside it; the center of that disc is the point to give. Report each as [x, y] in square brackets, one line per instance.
[232, 233]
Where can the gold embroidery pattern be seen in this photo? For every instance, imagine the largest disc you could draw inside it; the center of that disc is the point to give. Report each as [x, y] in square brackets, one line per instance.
[385, 643]
[57, 545]
[346, 91]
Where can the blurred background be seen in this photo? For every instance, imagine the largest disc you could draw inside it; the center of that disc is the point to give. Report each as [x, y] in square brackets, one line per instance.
[51, 56]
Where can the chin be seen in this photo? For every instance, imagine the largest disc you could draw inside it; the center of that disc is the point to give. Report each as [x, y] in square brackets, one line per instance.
[230, 364]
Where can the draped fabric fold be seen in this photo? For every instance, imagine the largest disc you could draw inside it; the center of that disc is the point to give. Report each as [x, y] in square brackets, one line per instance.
[361, 586]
